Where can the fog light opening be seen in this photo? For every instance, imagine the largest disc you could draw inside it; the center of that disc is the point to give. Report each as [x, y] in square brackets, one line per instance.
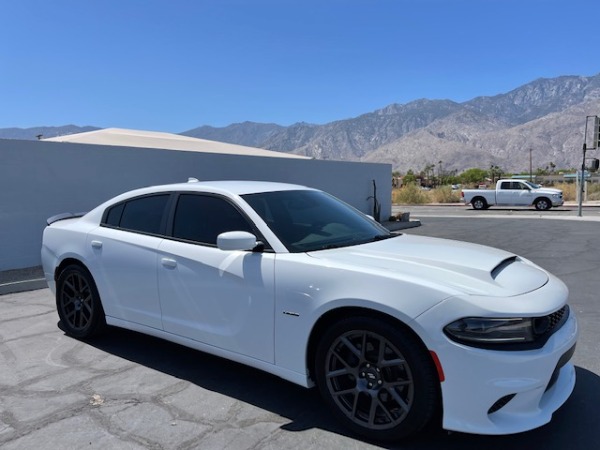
[500, 403]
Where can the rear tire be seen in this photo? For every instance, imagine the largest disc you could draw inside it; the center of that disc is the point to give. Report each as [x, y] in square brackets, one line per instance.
[378, 380]
[78, 303]
[479, 203]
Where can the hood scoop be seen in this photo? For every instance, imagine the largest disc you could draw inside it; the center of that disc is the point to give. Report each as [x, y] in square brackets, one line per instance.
[503, 265]
[516, 276]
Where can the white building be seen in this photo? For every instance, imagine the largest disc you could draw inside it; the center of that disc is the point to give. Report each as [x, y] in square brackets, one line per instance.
[74, 173]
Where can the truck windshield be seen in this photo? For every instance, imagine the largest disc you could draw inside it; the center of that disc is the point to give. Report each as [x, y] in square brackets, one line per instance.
[533, 185]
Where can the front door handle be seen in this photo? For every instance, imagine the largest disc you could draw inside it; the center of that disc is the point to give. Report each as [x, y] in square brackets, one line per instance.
[168, 263]
[97, 244]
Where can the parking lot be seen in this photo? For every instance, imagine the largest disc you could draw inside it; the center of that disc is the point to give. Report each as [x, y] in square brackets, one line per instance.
[128, 391]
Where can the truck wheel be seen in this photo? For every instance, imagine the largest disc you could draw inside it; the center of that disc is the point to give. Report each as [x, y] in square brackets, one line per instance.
[542, 204]
[479, 203]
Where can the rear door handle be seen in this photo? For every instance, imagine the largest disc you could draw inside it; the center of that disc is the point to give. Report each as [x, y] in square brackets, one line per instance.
[168, 263]
[97, 244]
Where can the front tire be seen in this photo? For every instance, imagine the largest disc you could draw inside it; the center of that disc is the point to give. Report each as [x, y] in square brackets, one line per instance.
[377, 379]
[78, 303]
[542, 204]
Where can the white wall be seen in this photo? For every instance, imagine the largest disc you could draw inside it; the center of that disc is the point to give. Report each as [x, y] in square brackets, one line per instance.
[40, 179]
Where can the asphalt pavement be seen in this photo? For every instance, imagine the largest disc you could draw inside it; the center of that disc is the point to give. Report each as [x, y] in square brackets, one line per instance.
[124, 390]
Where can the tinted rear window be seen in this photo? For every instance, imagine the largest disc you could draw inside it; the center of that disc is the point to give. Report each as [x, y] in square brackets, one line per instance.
[144, 214]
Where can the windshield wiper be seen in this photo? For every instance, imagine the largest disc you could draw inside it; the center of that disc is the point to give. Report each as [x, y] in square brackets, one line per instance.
[382, 237]
[377, 238]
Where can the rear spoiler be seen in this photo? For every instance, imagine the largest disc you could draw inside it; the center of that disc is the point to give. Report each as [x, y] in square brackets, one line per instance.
[63, 216]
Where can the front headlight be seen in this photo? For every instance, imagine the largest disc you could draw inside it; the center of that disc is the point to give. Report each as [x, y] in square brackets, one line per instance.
[513, 333]
[491, 331]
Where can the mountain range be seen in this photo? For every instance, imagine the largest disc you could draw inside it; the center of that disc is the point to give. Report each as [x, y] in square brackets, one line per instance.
[544, 119]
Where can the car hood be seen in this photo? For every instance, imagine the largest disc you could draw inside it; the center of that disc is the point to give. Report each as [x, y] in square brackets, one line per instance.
[548, 191]
[457, 267]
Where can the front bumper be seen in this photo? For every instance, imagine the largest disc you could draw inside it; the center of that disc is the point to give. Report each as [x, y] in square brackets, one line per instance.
[504, 392]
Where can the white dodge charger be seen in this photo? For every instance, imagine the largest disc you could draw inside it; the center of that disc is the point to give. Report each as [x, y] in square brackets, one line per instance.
[391, 328]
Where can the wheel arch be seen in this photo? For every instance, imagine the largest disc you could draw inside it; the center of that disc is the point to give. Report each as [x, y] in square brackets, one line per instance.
[70, 261]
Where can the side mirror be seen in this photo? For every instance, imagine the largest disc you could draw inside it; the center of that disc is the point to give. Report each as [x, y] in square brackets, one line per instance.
[236, 240]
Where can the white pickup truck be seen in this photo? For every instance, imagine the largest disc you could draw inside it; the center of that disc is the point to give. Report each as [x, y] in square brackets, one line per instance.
[513, 193]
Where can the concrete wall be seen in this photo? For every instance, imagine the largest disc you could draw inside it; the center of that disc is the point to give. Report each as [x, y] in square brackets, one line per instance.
[40, 179]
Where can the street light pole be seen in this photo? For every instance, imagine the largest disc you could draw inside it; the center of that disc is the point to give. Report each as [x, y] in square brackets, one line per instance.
[530, 166]
[581, 183]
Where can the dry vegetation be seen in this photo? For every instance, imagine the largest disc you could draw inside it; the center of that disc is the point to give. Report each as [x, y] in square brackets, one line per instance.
[570, 191]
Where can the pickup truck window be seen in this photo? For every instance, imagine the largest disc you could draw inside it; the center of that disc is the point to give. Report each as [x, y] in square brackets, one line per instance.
[512, 185]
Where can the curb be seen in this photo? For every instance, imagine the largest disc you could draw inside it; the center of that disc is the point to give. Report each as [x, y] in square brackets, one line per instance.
[22, 280]
[23, 286]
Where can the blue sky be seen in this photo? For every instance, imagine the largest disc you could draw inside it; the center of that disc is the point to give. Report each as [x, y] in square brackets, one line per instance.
[175, 65]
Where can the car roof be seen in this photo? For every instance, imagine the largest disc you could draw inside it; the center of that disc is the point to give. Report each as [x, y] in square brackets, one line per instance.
[229, 187]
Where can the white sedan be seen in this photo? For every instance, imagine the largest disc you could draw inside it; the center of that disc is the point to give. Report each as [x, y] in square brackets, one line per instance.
[391, 328]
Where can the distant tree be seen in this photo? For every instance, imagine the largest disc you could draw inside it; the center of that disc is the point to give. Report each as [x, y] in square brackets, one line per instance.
[427, 174]
[495, 173]
[473, 175]
[410, 177]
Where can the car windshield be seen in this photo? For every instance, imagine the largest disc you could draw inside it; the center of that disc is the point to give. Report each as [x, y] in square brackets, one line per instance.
[307, 220]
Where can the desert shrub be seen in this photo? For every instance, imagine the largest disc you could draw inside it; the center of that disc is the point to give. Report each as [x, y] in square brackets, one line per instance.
[410, 194]
[569, 191]
[594, 191]
[445, 194]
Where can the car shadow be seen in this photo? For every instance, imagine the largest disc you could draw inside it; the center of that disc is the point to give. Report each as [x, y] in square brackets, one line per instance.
[522, 209]
[575, 426]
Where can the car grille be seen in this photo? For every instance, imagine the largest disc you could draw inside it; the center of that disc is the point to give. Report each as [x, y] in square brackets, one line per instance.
[544, 327]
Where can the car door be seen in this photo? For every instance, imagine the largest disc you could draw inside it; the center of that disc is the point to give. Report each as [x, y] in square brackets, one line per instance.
[123, 259]
[506, 195]
[221, 298]
[524, 194]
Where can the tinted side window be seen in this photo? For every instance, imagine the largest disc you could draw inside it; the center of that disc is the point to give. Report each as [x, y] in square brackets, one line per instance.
[113, 217]
[143, 214]
[201, 218]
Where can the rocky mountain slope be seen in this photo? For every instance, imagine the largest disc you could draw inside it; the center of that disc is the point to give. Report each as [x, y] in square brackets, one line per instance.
[546, 116]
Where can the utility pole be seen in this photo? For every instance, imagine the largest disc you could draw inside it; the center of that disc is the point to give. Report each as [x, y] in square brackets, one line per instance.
[595, 146]
[530, 166]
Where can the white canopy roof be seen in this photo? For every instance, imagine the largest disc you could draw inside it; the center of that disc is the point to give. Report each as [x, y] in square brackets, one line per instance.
[167, 141]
